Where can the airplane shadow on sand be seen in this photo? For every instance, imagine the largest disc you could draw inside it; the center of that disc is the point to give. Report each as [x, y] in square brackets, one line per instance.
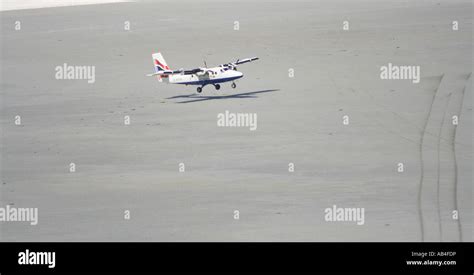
[197, 97]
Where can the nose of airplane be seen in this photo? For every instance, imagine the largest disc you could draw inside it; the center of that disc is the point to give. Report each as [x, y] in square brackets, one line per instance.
[239, 74]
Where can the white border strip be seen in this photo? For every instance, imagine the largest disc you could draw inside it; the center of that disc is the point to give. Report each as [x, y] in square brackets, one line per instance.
[7, 5]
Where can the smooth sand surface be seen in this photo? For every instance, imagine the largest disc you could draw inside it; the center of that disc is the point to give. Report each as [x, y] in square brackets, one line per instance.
[300, 120]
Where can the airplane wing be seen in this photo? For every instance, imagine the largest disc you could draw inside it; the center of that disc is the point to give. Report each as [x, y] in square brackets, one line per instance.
[245, 60]
[239, 61]
[181, 71]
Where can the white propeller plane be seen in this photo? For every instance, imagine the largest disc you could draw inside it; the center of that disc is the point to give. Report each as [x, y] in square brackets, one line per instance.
[199, 76]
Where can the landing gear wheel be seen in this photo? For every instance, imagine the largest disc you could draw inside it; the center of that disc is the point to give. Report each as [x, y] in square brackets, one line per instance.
[217, 86]
[199, 89]
[233, 85]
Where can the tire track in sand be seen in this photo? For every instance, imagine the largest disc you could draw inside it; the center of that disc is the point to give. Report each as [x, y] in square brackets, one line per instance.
[438, 168]
[422, 175]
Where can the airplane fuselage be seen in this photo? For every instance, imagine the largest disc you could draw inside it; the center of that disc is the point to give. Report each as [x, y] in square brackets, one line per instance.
[212, 76]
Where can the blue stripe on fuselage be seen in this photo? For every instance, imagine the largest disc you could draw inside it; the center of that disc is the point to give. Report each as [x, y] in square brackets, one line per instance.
[210, 81]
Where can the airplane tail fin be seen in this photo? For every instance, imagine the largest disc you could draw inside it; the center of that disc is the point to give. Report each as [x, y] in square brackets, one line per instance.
[160, 65]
